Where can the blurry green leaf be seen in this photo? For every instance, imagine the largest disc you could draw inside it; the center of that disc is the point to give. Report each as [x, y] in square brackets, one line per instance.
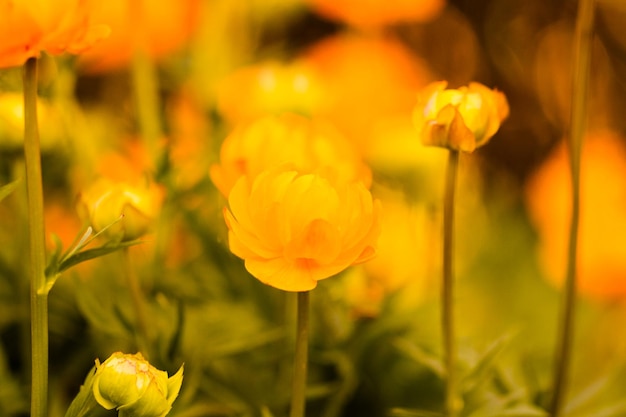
[265, 412]
[524, 410]
[420, 356]
[403, 412]
[614, 410]
[481, 370]
[582, 399]
[99, 310]
[7, 189]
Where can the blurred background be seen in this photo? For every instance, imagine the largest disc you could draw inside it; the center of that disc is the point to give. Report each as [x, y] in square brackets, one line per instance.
[153, 104]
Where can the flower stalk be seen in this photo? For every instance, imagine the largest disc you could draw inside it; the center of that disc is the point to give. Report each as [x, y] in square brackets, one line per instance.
[447, 285]
[37, 248]
[581, 68]
[142, 336]
[147, 103]
[298, 392]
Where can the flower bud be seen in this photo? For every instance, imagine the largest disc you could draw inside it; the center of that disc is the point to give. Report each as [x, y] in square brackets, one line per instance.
[135, 388]
[462, 119]
[127, 212]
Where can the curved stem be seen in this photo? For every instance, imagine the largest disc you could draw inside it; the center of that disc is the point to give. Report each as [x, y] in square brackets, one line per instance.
[447, 287]
[582, 58]
[38, 292]
[298, 392]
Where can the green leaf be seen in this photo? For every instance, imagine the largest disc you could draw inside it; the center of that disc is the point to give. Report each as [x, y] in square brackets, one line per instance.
[84, 401]
[415, 353]
[405, 412]
[613, 410]
[265, 412]
[481, 370]
[88, 254]
[524, 410]
[7, 189]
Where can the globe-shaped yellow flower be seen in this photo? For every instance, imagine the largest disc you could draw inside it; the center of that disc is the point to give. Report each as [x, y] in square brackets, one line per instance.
[295, 229]
[308, 145]
[459, 119]
[126, 211]
[134, 387]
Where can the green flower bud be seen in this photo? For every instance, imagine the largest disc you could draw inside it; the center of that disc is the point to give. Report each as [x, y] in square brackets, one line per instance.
[135, 388]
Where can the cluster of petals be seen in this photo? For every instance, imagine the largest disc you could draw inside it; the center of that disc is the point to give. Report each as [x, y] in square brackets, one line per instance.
[30, 27]
[459, 119]
[307, 145]
[294, 229]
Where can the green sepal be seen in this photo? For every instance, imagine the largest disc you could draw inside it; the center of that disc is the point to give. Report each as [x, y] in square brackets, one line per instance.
[84, 404]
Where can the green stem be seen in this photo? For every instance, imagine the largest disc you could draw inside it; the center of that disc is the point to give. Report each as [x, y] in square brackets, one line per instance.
[582, 58]
[38, 292]
[142, 337]
[147, 103]
[447, 287]
[298, 392]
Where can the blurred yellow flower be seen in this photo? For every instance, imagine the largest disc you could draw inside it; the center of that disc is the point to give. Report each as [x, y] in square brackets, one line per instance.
[372, 13]
[127, 211]
[157, 28]
[12, 122]
[295, 229]
[601, 254]
[405, 264]
[134, 387]
[32, 26]
[364, 80]
[307, 145]
[460, 119]
[270, 88]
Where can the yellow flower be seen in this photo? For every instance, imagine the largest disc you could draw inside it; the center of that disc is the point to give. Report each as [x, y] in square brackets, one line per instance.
[376, 13]
[135, 388]
[157, 27]
[128, 211]
[12, 122]
[462, 119]
[32, 26]
[307, 145]
[270, 88]
[295, 229]
[601, 255]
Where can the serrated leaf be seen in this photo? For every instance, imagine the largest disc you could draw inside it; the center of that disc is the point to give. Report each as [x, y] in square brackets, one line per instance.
[7, 189]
